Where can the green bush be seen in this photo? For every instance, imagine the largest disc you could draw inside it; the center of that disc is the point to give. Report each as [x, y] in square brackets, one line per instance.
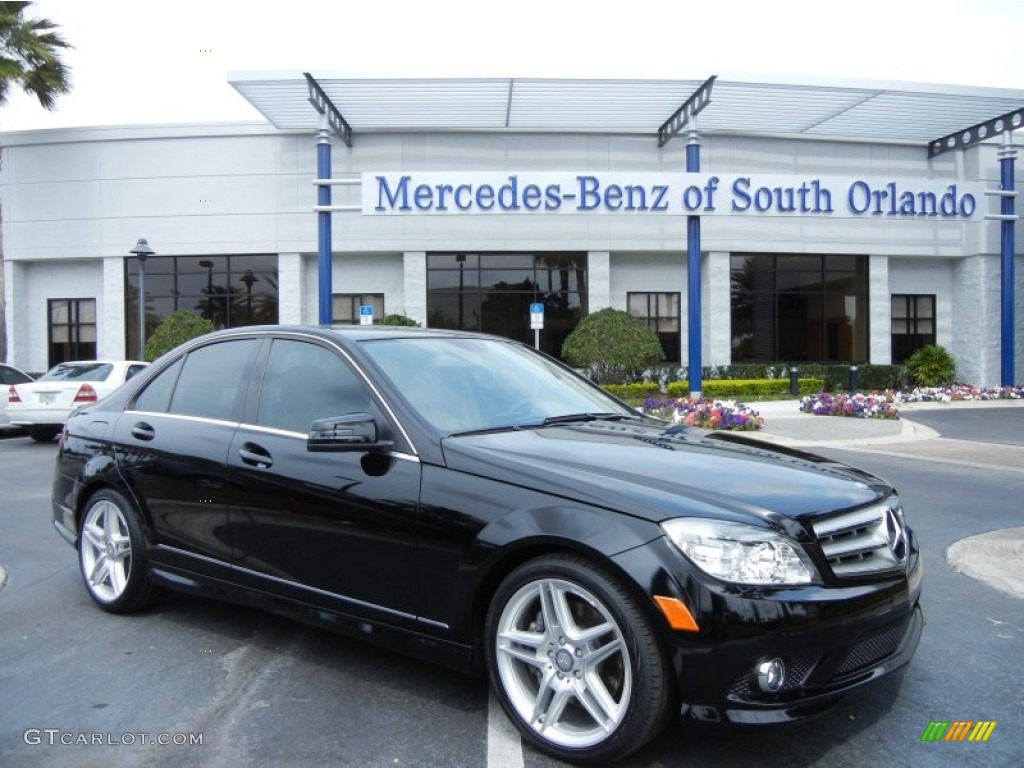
[877, 377]
[402, 320]
[177, 328]
[746, 389]
[612, 345]
[931, 366]
[635, 391]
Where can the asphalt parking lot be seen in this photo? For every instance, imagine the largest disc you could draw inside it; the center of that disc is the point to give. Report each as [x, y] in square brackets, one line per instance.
[261, 690]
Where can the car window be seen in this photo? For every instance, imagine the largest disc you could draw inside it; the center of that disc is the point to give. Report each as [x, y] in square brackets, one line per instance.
[304, 382]
[132, 370]
[213, 379]
[466, 384]
[78, 372]
[13, 376]
[157, 395]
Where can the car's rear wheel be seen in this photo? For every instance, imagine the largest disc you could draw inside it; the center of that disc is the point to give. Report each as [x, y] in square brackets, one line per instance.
[574, 661]
[111, 553]
[42, 434]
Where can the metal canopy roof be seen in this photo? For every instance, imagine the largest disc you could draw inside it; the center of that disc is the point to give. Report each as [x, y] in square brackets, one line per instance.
[882, 111]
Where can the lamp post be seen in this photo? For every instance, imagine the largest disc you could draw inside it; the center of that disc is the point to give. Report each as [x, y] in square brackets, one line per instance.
[208, 266]
[461, 259]
[141, 251]
[249, 278]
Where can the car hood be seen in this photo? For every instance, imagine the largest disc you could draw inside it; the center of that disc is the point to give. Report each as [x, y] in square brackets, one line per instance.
[641, 470]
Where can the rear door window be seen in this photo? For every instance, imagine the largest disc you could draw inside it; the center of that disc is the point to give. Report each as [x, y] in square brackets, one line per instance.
[213, 380]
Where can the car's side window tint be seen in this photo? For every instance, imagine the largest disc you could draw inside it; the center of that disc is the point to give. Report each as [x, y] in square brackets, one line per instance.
[157, 394]
[132, 370]
[304, 382]
[213, 379]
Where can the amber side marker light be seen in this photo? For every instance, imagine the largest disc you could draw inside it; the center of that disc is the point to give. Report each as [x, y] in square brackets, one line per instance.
[678, 615]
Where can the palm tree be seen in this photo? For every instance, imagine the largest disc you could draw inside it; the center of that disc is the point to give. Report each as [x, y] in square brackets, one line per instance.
[30, 51]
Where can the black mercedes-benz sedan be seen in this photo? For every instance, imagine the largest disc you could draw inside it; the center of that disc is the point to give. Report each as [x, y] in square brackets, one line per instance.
[471, 501]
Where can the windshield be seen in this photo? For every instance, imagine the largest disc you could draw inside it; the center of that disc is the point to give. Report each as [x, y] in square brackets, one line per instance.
[78, 372]
[463, 385]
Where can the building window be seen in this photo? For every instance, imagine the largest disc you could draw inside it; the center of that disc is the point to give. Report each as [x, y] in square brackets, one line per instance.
[345, 307]
[72, 330]
[661, 312]
[492, 293]
[228, 290]
[788, 308]
[913, 324]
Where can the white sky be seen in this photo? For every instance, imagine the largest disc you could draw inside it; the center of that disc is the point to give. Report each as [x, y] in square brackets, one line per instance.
[151, 62]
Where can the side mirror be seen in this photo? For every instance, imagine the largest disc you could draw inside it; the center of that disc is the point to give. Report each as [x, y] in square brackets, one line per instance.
[348, 433]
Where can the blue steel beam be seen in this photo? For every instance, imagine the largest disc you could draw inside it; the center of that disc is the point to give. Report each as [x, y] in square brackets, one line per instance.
[693, 309]
[1007, 247]
[325, 250]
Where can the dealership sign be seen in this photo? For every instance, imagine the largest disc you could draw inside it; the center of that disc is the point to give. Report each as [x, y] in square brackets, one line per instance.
[668, 194]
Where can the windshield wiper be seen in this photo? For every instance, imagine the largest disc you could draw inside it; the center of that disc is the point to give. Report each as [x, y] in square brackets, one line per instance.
[487, 430]
[571, 418]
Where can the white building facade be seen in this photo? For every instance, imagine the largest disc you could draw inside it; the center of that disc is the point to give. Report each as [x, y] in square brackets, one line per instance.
[787, 274]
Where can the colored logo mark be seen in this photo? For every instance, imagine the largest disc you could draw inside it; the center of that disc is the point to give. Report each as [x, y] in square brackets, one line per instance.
[958, 730]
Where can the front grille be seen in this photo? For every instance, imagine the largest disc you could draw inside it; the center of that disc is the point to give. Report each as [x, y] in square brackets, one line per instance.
[872, 649]
[865, 541]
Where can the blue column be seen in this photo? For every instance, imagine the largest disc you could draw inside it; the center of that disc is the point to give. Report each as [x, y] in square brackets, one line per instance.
[323, 197]
[693, 313]
[1007, 246]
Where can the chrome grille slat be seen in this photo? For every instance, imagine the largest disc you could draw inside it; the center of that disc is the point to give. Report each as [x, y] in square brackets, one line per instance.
[857, 543]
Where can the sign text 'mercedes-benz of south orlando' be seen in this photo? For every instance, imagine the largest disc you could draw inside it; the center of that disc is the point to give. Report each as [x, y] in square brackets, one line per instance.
[679, 194]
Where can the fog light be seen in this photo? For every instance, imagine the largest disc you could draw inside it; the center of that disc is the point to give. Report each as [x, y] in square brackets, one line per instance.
[771, 675]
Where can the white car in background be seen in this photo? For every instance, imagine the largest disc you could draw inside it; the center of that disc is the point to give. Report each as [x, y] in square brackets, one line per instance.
[9, 375]
[42, 406]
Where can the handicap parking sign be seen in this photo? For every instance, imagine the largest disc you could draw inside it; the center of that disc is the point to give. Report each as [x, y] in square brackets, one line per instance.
[366, 314]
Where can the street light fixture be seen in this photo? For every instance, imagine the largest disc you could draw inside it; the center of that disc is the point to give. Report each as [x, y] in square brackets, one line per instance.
[142, 251]
[249, 278]
[208, 266]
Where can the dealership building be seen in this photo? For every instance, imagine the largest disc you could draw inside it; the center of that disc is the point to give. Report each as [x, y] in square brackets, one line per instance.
[744, 221]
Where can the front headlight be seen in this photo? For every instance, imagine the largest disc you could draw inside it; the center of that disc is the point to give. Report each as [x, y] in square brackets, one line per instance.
[742, 554]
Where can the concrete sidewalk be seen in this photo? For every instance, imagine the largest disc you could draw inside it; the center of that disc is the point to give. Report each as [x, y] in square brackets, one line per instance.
[995, 558]
[786, 425]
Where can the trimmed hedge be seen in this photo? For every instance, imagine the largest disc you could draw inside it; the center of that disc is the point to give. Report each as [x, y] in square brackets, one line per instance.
[636, 391]
[733, 389]
[835, 375]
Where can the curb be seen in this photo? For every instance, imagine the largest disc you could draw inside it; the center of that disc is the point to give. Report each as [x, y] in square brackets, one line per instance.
[910, 432]
[995, 558]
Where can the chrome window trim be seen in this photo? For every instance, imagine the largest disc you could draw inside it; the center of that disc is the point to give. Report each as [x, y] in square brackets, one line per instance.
[302, 436]
[184, 417]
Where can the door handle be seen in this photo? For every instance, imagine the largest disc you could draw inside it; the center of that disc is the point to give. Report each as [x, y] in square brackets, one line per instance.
[143, 431]
[255, 456]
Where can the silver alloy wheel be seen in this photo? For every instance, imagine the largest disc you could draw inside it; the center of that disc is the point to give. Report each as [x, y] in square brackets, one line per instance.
[106, 551]
[563, 663]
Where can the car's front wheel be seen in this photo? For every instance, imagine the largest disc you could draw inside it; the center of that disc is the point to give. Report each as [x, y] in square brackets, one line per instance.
[111, 553]
[574, 661]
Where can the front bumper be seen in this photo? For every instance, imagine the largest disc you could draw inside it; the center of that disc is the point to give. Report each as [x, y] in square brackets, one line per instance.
[832, 639]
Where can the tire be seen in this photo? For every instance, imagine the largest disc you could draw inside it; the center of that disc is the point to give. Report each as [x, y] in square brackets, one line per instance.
[575, 662]
[112, 554]
[42, 434]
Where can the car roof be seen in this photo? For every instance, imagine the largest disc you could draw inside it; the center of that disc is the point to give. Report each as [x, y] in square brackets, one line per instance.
[355, 332]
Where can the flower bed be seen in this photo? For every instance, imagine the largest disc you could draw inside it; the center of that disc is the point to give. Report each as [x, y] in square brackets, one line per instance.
[958, 392]
[707, 414]
[873, 406]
